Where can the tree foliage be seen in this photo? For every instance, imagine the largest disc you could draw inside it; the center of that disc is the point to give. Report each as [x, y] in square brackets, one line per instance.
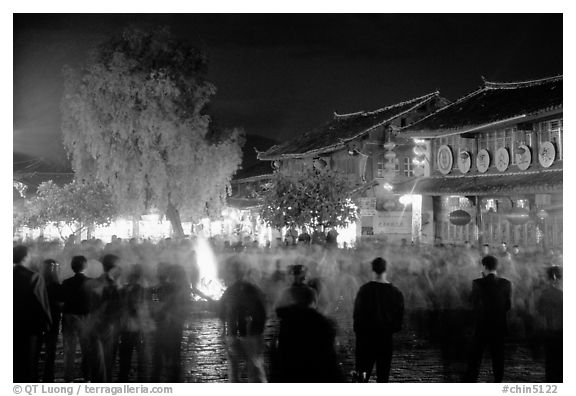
[76, 204]
[314, 197]
[133, 119]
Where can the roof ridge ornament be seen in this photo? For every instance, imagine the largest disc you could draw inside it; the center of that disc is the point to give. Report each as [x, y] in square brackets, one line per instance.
[520, 84]
[399, 104]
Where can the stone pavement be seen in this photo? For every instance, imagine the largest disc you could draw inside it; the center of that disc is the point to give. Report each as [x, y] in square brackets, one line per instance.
[415, 359]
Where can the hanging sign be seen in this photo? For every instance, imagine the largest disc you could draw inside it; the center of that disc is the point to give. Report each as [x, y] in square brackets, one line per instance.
[502, 159]
[464, 162]
[460, 217]
[546, 154]
[367, 206]
[445, 159]
[524, 158]
[483, 160]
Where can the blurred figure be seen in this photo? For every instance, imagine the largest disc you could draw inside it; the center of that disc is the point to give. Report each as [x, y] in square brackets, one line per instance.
[173, 295]
[31, 315]
[332, 238]
[75, 294]
[106, 311]
[491, 301]
[243, 313]
[378, 314]
[304, 237]
[485, 249]
[51, 274]
[318, 237]
[549, 306]
[306, 351]
[291, 235]
[298, 293]
[136, 326]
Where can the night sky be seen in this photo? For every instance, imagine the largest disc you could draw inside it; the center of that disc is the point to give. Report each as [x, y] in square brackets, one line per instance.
[278, 75]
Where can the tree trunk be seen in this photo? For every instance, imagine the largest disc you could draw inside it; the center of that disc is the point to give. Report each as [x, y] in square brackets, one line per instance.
[174, 216]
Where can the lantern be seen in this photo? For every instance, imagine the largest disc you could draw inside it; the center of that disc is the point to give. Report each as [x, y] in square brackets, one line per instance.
[518, 216]
[542, 214]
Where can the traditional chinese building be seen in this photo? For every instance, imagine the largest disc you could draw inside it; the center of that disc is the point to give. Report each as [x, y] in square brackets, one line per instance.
[494, 165]
[365, 146]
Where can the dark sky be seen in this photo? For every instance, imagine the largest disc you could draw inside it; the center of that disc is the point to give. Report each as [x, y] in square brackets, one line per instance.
[282, 74]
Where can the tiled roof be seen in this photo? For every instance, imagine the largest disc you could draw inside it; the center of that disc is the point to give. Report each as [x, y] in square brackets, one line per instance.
[521, 182]
[262, 168]
[493, 103]
[341, 129]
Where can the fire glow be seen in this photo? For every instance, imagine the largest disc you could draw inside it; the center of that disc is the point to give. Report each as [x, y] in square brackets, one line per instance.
[208, 282]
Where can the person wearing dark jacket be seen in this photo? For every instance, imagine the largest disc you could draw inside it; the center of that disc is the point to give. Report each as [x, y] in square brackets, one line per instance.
[32, 317]
[105, 312]
[491, 301]
[298, 293]
[243, 313]
[378, 314]
[75, 294]
[173, 295]
[306, 350]
[136, 326]
[50, 273]
[549, 306]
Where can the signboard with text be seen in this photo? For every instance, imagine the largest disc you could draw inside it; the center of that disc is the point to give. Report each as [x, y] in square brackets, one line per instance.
[393, 222]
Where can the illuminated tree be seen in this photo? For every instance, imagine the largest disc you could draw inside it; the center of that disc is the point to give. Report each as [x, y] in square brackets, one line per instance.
[77, 204]
[133, 119]
[314, 197]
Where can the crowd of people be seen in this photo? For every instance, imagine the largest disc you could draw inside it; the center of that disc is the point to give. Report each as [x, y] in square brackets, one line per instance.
[133, 298]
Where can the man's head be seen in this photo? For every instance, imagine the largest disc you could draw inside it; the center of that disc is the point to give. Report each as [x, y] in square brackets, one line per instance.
[379, 265]
[490, 263]
[19, 254]
[78, 264]
[109, 262]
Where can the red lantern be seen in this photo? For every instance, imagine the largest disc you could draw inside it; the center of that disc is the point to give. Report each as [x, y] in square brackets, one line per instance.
[460, 217]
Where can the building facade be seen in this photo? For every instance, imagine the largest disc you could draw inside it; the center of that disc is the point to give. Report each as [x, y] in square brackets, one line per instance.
[368, 149]
[495, 166]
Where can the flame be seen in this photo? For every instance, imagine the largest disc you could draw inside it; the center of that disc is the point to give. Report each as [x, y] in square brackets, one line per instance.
[208, 282]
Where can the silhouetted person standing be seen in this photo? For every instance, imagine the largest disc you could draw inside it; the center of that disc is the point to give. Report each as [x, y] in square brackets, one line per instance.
[306, 351]
[136, 325]
[298, 293]
[106, 311]
[31, 316]
[549, 305]
[491, 301]
[50, 273]
[243, 312]
[378, 314]
[77, 325]
[173, 307]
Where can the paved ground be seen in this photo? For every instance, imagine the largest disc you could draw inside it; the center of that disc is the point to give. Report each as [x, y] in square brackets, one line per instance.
[415, 359]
